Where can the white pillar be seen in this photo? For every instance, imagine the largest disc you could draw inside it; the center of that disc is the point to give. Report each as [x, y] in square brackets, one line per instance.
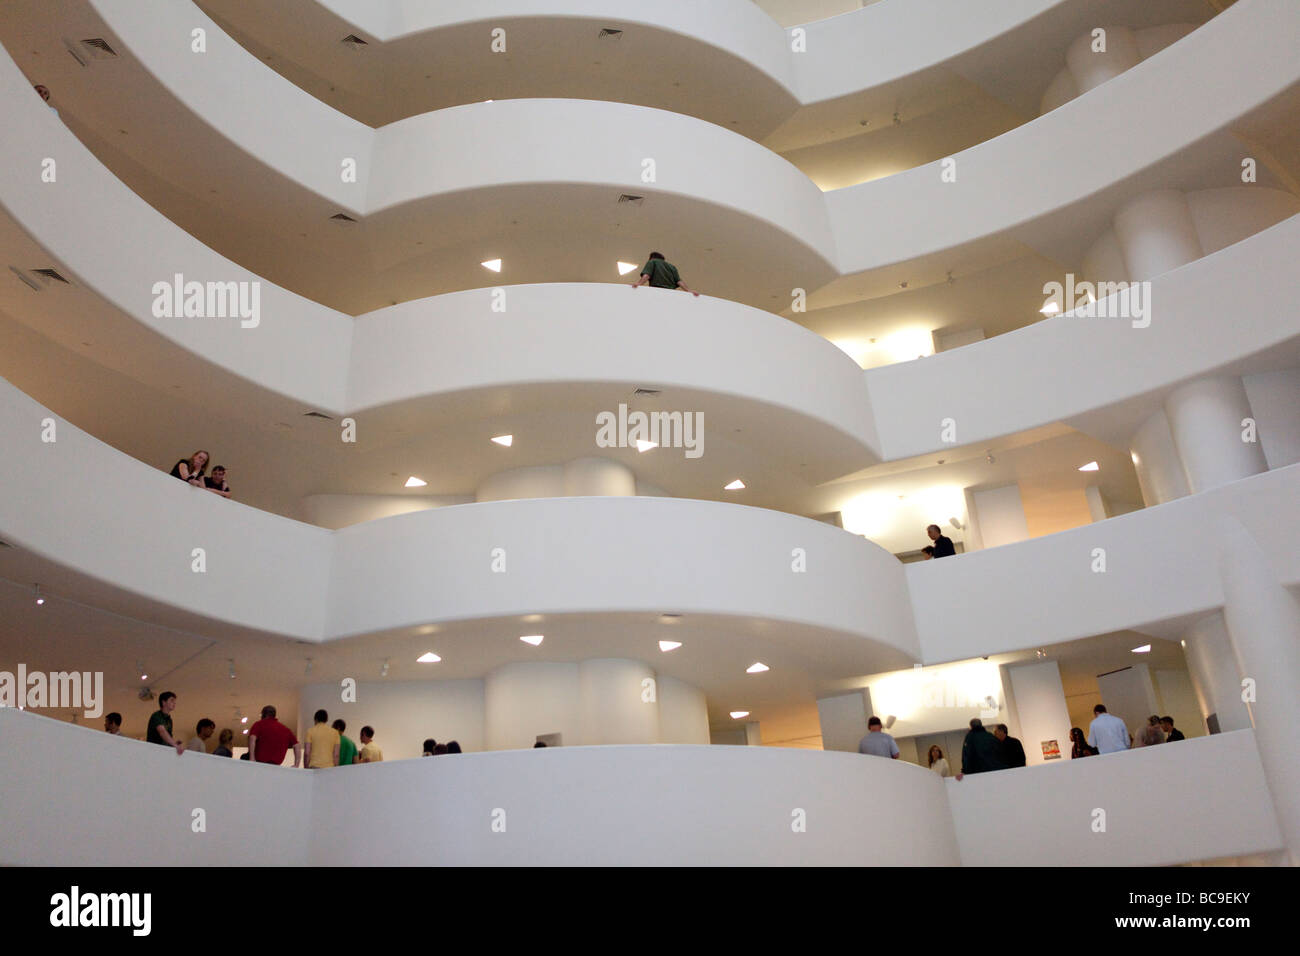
[683, 712]
[1156, 234]
[1214, 672]
[580, 477]
[619, 702]
[752, 736]
[1263, 620]
[843, 720]
[1091, 67]
[1205, 419]
[1155, 457]
[1096, 507]
[598, 476]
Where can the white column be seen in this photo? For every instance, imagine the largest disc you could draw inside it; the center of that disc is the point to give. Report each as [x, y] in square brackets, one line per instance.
[1156, 234]
[683, 712]
[1263, 620]
[619, 702]
[1214, 672]
[1091, 67]
[1096, 507]
[1155, 456]
[598, 476]
[1205, 419]
[580, 477]
[843, 719]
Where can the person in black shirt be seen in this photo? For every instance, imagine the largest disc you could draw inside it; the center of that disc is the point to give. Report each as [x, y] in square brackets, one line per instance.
[980, 751]
[1167, 725]
[1079, 745]
[160, 724]
[191, 469]
[1013, 754]
[216, 482]
[942, 545]
[661, 274]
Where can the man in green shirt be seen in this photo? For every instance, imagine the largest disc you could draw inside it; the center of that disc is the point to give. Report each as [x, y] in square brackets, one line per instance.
[661, 274]
[160, 724]
[347, 747]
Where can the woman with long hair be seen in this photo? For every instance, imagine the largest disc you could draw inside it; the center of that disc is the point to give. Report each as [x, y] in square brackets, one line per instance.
[191, 469]
[939, 763]
[1079, 745]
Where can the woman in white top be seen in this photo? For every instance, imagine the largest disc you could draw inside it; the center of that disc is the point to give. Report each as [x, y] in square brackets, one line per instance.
[937, 762]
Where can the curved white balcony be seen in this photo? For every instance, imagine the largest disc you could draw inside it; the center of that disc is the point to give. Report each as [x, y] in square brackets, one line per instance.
[622, 805]
[415, 173]
[858, 64]
[598, 555]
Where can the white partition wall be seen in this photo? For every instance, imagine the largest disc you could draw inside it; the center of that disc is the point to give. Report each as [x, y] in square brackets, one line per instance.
[1199, 800]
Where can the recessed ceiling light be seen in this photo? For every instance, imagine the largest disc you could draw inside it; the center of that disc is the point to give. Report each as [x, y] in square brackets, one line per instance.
[245, 730]
[1144, 649]
[414, 482]
[643, 445]
[736, 485]
[1050, 309]
[737, 714]
[1184, 643]
[531, 618]
[667, 646]
[1091, 466]
[533, 639]
[625, 267]
[505, 440]
[243, 720]
[492, 265]
[757, 668]
[428, 657]
[40, 598]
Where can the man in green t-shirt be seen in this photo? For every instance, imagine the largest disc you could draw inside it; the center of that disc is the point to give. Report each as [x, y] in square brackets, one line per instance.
[160, 724]
[661, 274]
[347, 746]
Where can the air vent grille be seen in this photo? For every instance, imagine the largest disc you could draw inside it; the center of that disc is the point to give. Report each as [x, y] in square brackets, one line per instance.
[98, 48]
[610, 33]
[628, 197]
[317, 415]
[353, 42]
[50, 275]
[342, 218]
[647, 391]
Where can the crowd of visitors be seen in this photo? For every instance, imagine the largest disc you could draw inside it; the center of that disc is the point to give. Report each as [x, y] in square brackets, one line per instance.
[269, 740]
[982, 751]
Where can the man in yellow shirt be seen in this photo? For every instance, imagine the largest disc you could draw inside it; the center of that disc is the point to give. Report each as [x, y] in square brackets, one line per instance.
[370, 752]
[322, 743]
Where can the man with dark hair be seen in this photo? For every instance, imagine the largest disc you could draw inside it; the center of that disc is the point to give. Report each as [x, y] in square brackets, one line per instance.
[322, 744]
[347, 746]
[370, 752]
[160, 724]
[113, 723]
[269, 740]
[1013, 754]
[877, 743]
[1107, 733]
[429, 746]
[942, 544]
[216, 482]
[1167, 725]
[661, 274]
[980, 751]
[202, 731]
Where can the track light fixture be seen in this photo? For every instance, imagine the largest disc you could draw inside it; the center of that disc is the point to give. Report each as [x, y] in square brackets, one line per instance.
[231, 661]
[40, 598]
[383, 672]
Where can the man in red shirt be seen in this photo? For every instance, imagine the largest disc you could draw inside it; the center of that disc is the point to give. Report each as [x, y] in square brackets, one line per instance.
[268, 740]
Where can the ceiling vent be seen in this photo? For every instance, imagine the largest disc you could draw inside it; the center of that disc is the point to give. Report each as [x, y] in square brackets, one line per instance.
[342, 219]
[97, 48]
[634, 200]
[609, 33]
[317, 415]
[353, 42]
[647, 391]
[49, 275]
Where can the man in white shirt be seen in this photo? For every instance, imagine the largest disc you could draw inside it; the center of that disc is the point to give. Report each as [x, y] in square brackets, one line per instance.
[1107, 733]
